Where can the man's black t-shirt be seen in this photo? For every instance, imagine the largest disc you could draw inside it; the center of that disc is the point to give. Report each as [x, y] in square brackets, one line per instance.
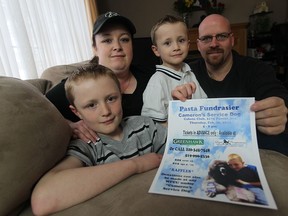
[248, 77]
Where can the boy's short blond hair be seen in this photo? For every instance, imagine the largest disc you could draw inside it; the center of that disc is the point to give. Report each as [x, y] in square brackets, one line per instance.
[93, 71]
[162, 21]
[235, 156]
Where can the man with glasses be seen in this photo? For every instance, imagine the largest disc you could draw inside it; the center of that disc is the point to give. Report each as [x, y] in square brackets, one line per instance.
[222, 72]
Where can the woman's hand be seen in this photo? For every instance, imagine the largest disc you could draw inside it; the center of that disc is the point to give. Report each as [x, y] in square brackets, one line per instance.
[82, 131]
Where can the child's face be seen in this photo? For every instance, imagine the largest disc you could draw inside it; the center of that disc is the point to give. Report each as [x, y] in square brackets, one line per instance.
[236, 164]
[98, 103]
[172, 44]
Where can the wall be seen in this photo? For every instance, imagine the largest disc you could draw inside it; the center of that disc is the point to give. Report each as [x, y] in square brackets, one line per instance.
[145, 13]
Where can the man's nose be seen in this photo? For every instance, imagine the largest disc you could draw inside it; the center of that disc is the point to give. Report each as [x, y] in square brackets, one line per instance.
[214, 42]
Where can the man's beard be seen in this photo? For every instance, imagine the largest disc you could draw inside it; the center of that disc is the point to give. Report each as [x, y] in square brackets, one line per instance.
[215, 63]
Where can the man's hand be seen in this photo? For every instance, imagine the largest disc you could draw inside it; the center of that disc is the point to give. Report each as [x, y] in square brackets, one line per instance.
[184, 91]
[82, 131]
[271, 115]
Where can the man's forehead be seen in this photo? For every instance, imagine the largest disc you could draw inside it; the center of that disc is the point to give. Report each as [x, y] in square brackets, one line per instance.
[213, 28]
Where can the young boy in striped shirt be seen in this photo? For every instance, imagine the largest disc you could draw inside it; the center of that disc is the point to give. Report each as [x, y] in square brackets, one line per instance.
[125, 146]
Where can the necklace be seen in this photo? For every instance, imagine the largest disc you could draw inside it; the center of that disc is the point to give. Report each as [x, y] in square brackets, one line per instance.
[126, 87]
[209, 74]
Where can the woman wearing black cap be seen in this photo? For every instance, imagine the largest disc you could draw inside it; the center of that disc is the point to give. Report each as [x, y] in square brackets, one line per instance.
[112, 43]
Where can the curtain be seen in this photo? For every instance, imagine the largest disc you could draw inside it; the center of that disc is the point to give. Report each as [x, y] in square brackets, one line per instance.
[37, 34]
[92, 13]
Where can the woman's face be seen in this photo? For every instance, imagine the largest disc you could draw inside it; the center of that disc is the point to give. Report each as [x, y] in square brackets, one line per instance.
[113, 46]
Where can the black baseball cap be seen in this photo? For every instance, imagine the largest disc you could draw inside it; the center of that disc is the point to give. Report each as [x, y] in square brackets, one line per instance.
[109, 17]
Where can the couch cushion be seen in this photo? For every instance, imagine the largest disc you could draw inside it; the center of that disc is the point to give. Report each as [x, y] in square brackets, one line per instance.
[59, 72]
[33, 138]
[42, 85]
[131, 197]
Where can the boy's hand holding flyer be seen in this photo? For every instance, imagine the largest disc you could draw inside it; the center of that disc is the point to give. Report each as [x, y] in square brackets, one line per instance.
[212, 153]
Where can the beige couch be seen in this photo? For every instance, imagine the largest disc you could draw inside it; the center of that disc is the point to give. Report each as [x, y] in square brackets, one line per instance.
[34, 137]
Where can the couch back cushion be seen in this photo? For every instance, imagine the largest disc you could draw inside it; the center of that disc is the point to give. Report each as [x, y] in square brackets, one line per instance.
[41, 84]
[59, 72]
[33, 138]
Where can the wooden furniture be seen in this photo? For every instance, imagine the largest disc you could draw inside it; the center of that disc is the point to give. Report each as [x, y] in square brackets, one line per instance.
[240, 37]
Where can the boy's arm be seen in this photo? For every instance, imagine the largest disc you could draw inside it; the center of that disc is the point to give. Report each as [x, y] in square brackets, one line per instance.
[69, 183]
[155, 99]
[256, 184]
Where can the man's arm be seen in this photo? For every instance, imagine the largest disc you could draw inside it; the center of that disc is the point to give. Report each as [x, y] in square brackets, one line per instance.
[69, 183]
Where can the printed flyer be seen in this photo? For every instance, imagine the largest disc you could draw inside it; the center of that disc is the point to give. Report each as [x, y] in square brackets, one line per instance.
[212, 153]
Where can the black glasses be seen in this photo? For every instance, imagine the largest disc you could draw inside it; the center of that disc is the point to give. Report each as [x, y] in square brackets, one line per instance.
[219, 37]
